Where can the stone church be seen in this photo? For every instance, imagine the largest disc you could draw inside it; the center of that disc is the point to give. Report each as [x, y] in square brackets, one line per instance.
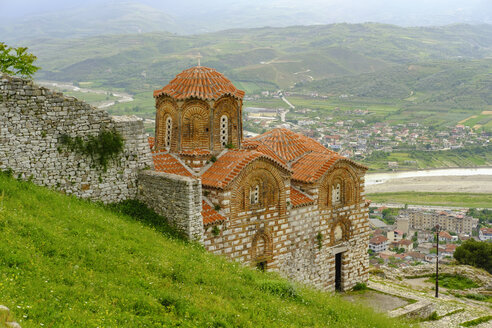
[279, 201]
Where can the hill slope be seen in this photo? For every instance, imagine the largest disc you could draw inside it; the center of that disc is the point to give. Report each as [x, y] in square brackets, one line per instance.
[266, 57]
[65, 262]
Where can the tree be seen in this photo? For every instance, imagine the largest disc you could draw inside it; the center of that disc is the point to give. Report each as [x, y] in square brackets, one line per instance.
[475, 253]
[17, 61]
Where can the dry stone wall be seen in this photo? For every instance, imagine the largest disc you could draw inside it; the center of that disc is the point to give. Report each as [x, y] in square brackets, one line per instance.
[33, 119]
[177, 198]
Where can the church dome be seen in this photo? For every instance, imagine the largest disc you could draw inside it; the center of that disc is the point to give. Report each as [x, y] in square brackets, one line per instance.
[200, 82]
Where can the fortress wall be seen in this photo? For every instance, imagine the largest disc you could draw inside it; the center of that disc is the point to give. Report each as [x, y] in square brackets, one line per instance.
[34, 118]
[177, 198]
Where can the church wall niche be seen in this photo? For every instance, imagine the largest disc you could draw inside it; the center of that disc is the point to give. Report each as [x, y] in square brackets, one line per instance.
[195, 125]
[226, 107]
[166, 139]
[339, 188]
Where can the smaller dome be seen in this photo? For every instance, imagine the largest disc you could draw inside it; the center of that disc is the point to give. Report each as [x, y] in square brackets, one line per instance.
[200, 82]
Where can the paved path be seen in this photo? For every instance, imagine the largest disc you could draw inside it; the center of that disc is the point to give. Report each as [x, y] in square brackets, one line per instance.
[452, 310]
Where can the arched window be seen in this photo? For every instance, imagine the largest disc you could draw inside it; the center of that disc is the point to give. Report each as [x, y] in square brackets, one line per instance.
[336, 194]
[224, 126]
[169, 127]
[254, 194]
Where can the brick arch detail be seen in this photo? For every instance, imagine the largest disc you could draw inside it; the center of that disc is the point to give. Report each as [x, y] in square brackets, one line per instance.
[195, 125]
[226, 106]
[346, 225]
[258, 169]
[344, 174]
[166, 108]
[266, 235]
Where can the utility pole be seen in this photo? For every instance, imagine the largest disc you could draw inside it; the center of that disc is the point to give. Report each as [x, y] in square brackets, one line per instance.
[437, 260]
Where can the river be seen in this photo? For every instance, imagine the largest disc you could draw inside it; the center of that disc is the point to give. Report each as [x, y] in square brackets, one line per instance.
[465, 180]
[376, 178]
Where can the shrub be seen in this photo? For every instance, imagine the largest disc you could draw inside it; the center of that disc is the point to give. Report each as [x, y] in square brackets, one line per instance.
[477, 321]
[475, 253]
[453, 281]
[107, 145]
[360, 286]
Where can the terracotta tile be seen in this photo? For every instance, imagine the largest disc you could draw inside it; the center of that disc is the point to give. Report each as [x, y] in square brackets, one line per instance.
[164, 162]
[200, 82]
[229, 165]
[210, 215]
[298, 198]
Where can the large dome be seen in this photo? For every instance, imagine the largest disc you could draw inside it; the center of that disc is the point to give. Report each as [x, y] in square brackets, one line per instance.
[200, 82]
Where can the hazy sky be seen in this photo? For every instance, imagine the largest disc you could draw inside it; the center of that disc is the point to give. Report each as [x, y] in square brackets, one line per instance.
[18, 8]
[200, 16]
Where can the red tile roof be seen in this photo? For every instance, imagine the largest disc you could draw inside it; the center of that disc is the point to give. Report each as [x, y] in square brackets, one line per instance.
[310, 159]
[486, 231]
[405, 242]
[378, 240]
[229, 165]
[312, 166]
[445, 234]
[151, 141]
[286, 144]
[164, 162]
[298, 198]
[200, 82]
[210, 216]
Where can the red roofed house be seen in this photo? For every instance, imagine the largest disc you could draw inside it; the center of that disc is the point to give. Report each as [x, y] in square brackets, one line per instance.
[445, 236]
[406, 244]
[280, 201]
[378, 244]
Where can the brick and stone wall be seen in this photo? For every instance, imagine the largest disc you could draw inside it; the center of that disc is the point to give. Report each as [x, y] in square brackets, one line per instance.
[177, 198]
[33, 119]
[299, 242]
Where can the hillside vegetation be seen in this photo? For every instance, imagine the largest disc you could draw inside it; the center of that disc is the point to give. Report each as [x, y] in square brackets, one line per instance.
[261, 58]
[437, 76]
[66, 262]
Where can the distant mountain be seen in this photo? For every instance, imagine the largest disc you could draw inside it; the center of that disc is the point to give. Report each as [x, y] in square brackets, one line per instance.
[91, 20]
[262, 58]
[83, 18]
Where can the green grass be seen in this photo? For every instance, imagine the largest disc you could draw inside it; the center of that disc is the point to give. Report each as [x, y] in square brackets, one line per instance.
[470, 156]
[66, 262]
[91, 98]
[469, 200]
[143, 105]
[453, 281]
[477, 321]
[479, 297]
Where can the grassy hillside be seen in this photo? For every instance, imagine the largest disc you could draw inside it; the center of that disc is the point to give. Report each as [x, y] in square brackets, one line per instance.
[65, 262]
[271, 57]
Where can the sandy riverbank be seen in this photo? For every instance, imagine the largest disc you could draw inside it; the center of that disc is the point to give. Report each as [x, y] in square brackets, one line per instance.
[465, 184]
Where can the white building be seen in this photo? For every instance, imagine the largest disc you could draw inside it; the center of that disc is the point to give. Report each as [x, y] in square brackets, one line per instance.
[378, 244]
[485, 234]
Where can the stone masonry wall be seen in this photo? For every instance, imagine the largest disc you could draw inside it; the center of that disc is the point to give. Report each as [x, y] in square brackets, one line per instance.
[177, 198]
[33, 119]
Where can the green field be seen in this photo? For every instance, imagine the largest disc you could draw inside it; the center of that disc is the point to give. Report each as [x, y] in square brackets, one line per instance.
[434, 198]
[464, 157]
[91, 98]
[143, 105]
[66, 262]
[434, 76]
